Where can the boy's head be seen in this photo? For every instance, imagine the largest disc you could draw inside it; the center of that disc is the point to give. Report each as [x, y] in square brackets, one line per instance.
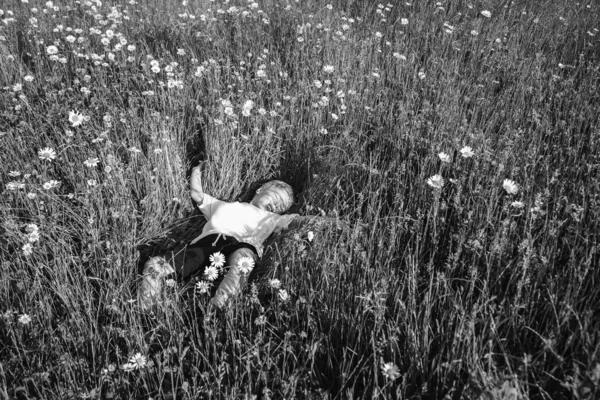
[274, 196]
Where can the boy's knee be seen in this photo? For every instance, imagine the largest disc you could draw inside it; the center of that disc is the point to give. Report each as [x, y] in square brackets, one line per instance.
[238, 254]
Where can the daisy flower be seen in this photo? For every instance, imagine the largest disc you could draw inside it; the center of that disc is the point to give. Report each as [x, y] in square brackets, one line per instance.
[203, 286]
[248, 105]
[138, 361]
[510, 186]
[444, 157]
[27, 249]
[47, 154]
[390, 371]
[486, 13]
[211, 273]
[75, 119]
[50, 184]
[275, 283]
[24, 319]
[328, 69]
[128, 367]
[467, 152]
[33, 237]
[245, 264]
[283, 295]
[171, 283]
[517, 204]
[217, 259]
[310, 236]
[436, 181]
[32, 228]
[91, 162]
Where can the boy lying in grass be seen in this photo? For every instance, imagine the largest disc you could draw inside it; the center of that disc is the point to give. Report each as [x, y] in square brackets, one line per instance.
[233, 236]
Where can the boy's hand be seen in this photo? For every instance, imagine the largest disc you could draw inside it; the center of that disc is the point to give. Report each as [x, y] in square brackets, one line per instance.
[196, 185]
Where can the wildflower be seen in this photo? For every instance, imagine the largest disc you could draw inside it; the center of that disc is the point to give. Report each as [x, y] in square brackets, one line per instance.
[51, 50]
[436, 181]
[24, 319]
[32, 228]
[448, 28]
[310, 236]
[486, 14]
[245, 264]
[275, 283]
[328, 69]
[390, 371]
[31, 195]
[33, 237]
[404, 21]
[422, 75]
[517, 204]
[211, 273]
[27, 249]
[15, 185]
[134, 150]
[399, 56]
[14, 174]
[128, 367]
[248, 105]
[467, 152]
[92, 182]
[28, 78]
[51, 184]
[75, 119]
[91, 162]
[217, 259]
[444, 157]
[203, 286]
[47, 154]
[171, 283]
[510, 186]
[260, 320]
[138, 361]
[283, 295]
[17, 87]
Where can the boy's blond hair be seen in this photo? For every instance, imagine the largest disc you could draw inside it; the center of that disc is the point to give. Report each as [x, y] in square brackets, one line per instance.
[281, 185]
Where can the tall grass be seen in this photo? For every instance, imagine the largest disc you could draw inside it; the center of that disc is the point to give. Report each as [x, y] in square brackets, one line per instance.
[463, 291]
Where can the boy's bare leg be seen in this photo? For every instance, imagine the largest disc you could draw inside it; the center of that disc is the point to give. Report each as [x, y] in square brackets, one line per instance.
[235, 280]
[150, 288]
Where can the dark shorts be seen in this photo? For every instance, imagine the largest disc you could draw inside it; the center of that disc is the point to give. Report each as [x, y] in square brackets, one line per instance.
[194, 258]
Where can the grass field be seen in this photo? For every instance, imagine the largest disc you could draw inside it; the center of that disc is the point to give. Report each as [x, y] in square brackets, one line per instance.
[456, 141]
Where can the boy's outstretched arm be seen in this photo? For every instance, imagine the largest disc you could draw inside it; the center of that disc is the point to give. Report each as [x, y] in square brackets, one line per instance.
[196, 186]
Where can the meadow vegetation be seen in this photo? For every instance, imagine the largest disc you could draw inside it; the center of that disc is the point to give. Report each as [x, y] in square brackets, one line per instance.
[456, 142]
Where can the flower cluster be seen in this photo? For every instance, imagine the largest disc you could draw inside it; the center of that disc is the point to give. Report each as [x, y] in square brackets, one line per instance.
[33, 236]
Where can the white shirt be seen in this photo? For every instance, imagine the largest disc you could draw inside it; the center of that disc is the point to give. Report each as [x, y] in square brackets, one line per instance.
[243, 221]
